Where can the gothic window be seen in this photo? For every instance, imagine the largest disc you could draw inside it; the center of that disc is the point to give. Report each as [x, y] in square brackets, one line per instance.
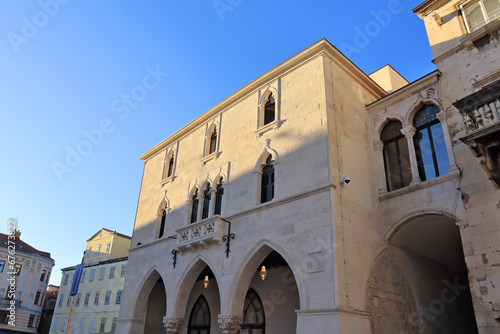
[254, 320]
[199, 320]
[219, 197]
[269, 110]
[162, 223]
[430, 147]
[396, 156]
[267, 185]
[213, 142]
[194, 207]
[168, 165]
[207, 196]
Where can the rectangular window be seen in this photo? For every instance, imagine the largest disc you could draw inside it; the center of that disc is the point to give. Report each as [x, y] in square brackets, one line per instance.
[61, 298]
[87, 298]
[103, 325]
[31, 320]
[2, 265]
[83, 277]
[124, 270]
[478, 13]
[77, 300]
[92, 274]
[101, 274]
[65, 280]
[113, 325]
[17, 269]
[82, 325]
[68, 302]
[112, 272]
[107, 298]
[97, 250]
[119, 296]
[64, 324]
[91, 325]
[108, 247]
[72, 325]
[4, 317]
[37, 297]
[42, 276]
[88, 251]
[55, 324]
[96, 299]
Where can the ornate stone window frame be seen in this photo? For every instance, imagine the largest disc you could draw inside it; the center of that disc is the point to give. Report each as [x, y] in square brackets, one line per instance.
[211, 127]
[259, 166]
[163, 207]
[263, 98]
[170, 154]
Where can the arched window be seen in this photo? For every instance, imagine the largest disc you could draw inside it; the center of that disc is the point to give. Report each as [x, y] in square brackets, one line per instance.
[254, 320]
[269, 110]
[430, 147]
[170, 167]
[267, 185]
[396, 156]
[199, 320]
[213, 142]
[194, 207]
[219, 197]
[162, 223]
[207, 196]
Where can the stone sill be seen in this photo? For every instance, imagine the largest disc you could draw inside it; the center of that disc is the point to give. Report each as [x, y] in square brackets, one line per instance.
[450, 176]
[263, 129]
[468, 40]
[211, 156]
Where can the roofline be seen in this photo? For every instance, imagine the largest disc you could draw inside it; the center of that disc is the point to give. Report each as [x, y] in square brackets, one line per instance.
[322, 47]
[427, 6]
[118, 259]
[110, 231]
[393, 69]
[403, 89]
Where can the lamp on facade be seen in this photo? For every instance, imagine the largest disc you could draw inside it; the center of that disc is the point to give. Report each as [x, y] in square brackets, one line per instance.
[263, 273]
[205, 282]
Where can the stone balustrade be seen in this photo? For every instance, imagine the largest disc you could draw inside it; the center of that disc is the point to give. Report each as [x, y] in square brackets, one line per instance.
[481, 116]
[202, 233]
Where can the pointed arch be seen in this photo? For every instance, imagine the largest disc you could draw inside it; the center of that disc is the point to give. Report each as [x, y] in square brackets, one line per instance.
[381, 124]
[268, 116]
[265, 95]
[169, 164]
[421, 101]
[261, 161]
[211, 140]
[199, 318]
[186, 282]
[161, 216]
[144, 289]
[246, 271]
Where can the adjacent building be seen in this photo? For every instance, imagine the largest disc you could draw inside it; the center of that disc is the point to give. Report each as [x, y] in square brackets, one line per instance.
[24, 277]
[49, 305]
[319, 199]
[97, 304]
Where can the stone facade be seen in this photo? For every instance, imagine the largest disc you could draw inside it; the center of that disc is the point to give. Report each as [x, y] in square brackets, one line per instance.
[408, 245]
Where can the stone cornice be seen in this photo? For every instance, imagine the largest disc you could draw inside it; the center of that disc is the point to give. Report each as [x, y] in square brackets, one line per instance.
[322, 47]
[428, 6]
[402, 93]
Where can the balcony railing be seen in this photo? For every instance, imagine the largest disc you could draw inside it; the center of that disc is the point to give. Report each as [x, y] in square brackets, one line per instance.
[202, 233]
[7, 302]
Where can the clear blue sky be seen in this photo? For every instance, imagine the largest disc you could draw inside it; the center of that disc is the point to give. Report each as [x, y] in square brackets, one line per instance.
[67, 67]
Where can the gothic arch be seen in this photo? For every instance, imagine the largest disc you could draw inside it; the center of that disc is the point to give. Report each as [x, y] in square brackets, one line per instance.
[245, 272]
[421, 101]
[186, 282]
[261, 161]
[381, 124]
[144, 289]
[264, 96]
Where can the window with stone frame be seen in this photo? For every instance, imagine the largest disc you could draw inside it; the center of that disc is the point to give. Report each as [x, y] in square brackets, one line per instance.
[430, 146]
[219, 197]
[162, 223]
[396, 156]
[199, 320]
[254, 319]
[168, 165]
[194, 206]
[207, 197]
[478, 13]
[267, 181]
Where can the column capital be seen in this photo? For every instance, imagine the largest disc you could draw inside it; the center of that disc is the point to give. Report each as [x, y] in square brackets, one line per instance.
[378, 145]
[441, 116]
[172, 325]
[408, 131]
[230, 324]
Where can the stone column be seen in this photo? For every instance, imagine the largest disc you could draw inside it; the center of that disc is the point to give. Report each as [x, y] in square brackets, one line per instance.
[378, 147]
[409, 132]
[200, 204]
[230, 324]
[213, 191]
[172, 325]
[441, 116]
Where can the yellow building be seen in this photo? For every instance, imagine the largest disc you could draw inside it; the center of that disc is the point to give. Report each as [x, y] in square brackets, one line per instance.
[97, 303]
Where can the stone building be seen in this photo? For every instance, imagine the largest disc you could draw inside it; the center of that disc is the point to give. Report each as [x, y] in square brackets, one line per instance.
[320, 199]
[24, 276]
[98, 301]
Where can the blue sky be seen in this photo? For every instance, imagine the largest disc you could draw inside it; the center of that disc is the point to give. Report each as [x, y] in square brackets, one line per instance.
[127, 74]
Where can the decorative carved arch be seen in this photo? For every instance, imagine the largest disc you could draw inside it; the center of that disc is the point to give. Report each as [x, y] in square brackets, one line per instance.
[265, 95]
[383, 122]
[213, 124]
[421, 101]
[246, 270]
[186, 282]
[261, 161]
[192, 191]
[164, 204]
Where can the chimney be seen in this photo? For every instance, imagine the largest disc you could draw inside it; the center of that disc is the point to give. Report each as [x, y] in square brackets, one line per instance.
[17, 234]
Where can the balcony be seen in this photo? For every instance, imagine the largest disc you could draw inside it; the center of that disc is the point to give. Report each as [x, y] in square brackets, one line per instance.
[5, 302]
[481, 116]
[200, 234]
